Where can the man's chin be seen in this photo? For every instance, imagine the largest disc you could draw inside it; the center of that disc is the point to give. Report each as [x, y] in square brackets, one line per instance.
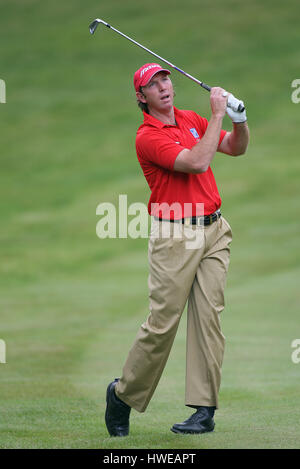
[164, 108]
[166, 105]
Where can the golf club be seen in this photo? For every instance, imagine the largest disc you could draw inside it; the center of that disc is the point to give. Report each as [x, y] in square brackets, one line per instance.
[233, 103]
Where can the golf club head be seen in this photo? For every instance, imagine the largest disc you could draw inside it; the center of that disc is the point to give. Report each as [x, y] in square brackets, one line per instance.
[95, 23]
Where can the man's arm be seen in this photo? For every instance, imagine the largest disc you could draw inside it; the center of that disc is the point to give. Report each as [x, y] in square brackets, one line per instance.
[198, 158]
[235, 143]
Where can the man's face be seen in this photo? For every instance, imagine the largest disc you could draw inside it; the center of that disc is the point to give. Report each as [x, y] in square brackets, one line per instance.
[158, 93]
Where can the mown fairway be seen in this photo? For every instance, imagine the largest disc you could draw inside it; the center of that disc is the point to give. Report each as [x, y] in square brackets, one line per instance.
[71, 303]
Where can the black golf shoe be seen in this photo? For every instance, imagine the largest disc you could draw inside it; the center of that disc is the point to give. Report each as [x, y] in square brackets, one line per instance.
[200, 422]
[117, 412]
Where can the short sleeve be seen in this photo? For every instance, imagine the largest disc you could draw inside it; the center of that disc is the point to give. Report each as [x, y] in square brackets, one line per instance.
[158, 148]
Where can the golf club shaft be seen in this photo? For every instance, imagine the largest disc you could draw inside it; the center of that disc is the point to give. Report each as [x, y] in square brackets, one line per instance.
[235, 104]
[92, 29]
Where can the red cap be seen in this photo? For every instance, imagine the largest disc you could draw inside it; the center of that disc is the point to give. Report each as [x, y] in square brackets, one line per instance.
[144, 74]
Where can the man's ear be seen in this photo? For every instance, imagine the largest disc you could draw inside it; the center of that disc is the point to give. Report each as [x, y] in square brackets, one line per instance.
[140, 97]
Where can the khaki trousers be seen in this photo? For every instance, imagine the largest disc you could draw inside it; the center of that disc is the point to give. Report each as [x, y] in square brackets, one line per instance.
[180, 271]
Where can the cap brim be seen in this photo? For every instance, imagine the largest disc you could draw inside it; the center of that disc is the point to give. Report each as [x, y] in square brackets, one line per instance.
[154, 73]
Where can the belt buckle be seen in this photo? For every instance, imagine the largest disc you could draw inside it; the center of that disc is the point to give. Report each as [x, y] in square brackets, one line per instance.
[210, 218]
[187, 221]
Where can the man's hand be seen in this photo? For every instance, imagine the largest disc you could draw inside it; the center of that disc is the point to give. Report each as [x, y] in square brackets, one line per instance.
[235, 116]
[218, 101]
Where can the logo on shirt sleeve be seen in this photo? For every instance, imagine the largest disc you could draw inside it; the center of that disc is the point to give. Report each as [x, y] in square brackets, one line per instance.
[194, 132]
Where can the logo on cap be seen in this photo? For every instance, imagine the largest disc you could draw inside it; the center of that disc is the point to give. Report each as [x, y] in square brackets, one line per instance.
[144, 70]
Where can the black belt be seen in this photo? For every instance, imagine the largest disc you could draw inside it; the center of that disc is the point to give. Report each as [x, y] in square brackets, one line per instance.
[199, 221]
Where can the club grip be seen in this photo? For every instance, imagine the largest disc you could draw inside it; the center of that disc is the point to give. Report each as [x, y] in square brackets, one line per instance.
[235, 104]
[205, 86]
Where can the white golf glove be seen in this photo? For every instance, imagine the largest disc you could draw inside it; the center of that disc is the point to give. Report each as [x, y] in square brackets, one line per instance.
[234, 114]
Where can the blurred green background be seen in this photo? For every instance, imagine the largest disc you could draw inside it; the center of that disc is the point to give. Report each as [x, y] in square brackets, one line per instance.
[70, 303]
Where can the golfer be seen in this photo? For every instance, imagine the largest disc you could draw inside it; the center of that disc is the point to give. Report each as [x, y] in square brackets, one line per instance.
[175, 149]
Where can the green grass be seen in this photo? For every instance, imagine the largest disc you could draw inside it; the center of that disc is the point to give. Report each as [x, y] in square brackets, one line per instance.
[71, 303]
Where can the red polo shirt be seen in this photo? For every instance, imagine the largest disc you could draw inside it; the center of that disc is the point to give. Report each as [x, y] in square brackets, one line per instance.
[158, 146]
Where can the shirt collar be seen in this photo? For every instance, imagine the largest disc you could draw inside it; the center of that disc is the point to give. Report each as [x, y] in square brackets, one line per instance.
[150, 120]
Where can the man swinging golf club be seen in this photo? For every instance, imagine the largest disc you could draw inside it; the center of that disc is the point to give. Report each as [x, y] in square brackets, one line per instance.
[175, 149]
